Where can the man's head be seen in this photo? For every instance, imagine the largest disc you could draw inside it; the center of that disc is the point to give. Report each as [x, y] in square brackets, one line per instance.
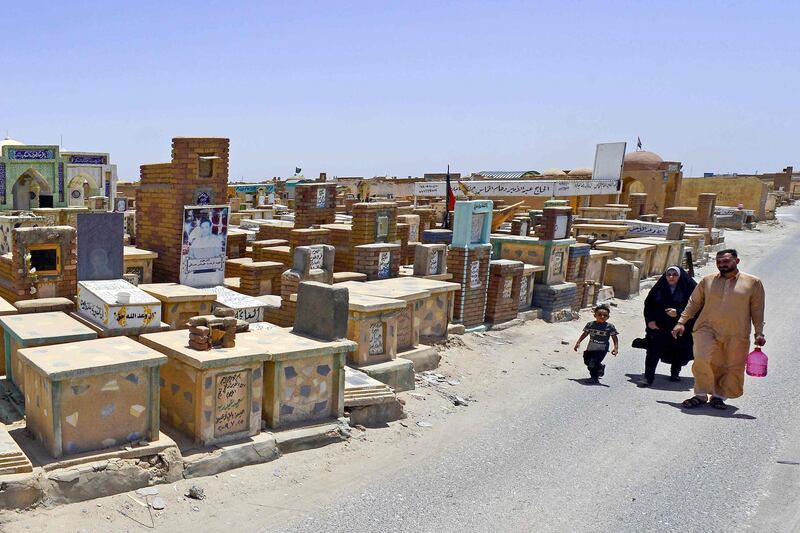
[205, 227]
[601, 313]
[727, 261]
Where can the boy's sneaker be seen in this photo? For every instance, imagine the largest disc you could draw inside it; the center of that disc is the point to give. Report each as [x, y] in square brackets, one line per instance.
[602, 371]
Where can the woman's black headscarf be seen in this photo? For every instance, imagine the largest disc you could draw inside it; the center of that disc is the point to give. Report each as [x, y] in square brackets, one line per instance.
[661, 297]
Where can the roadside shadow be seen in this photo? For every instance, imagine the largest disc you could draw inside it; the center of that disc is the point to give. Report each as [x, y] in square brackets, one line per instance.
[662, 382]
[587, 383]
[707, 410]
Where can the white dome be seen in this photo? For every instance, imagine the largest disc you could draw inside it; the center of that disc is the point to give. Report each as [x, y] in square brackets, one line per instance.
[8, 141]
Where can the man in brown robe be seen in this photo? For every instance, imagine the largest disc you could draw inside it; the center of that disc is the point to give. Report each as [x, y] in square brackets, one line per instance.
[730, 301]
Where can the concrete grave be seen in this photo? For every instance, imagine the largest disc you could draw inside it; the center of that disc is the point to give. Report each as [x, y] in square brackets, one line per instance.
[41, 329]
[94, 394]
[214, 395]
[502, 303]
[118, 305]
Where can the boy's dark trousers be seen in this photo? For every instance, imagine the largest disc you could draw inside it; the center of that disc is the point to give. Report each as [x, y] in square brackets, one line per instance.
[593, 361]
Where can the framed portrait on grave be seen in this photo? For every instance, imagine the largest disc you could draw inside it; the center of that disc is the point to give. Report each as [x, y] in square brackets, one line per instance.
[120, 205]
[205, 233]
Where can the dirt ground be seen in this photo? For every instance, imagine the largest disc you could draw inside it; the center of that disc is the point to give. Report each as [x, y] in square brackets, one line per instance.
[477, 372]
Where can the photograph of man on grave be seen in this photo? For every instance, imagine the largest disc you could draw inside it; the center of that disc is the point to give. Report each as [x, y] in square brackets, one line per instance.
[203, 251]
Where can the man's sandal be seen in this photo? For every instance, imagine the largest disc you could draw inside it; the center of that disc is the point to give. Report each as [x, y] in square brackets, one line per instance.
[693, 402]
[717, 403]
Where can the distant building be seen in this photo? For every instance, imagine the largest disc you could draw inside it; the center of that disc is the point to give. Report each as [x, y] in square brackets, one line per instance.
[33, 176]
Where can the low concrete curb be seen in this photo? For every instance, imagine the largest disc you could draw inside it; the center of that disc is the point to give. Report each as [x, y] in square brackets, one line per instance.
[307, 438]
[261, 448]
[423, 358]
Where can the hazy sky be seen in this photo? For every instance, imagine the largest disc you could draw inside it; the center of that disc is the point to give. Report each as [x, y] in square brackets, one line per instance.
[366, 88]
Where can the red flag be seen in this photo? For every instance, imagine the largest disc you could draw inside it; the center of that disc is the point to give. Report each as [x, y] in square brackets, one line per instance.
[451, 197]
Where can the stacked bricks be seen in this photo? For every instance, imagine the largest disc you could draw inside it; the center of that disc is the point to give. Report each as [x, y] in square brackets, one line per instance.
[275, 229]
[206, 332]
[309, 237]
[555, 301]
[637, 201]
[470, 269]
[261, 277]
[310, 263]
[577, 262]
[502, 299]
[348, 204]
[427, 218]
[521, 227]
[237, 244]
[315, 204]
[554, 225]
[437, 236]
[374, 222]
[166, 188]
[378, 260]
[16, 283]
[706, 202]
[340, 239]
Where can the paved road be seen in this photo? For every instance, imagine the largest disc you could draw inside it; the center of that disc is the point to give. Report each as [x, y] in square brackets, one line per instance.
[615, 458]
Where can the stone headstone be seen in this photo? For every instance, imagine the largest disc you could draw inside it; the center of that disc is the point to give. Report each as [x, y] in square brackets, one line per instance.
[100, 246]
[675, 231]
[321, 311]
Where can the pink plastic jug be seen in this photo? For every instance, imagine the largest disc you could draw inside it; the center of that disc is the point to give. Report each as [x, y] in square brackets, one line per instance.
[756, 365]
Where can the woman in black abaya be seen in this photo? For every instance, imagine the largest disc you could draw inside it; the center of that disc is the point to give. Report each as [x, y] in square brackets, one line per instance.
[662, 308]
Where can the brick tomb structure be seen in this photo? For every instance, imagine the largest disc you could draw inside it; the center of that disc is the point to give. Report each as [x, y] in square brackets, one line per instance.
[51, 251]
[378, 260]
[315, 204]
[468, 260]
[198, 174]
[502, 301]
